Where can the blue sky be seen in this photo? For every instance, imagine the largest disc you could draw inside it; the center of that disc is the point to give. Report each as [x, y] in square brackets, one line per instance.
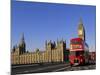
[49, 21]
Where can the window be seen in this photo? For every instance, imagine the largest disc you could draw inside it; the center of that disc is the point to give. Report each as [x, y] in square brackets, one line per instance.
[76, 42]
[76, 53]
[72, 53]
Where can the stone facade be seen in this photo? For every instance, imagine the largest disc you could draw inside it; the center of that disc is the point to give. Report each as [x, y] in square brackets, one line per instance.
[54, 52]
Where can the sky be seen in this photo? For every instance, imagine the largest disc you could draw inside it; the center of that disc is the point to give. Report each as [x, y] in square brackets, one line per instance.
[50, 21]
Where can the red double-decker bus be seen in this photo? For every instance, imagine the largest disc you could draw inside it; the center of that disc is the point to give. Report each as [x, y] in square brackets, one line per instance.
[79, 52]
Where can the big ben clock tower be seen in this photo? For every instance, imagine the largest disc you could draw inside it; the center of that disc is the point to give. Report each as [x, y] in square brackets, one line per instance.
[81, 30]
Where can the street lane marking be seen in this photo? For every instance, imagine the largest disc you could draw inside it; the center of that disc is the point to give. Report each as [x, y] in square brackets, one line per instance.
[61, 69]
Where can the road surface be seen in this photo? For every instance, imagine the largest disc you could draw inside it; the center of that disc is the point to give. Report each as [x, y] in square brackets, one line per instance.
[41, 68]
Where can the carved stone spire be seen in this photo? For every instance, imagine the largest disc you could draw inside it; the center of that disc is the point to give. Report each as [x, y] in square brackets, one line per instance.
[22, 44]
[22, 40]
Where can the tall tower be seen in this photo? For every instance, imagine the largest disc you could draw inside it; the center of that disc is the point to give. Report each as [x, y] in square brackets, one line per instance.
[22, 45]
[81, 30]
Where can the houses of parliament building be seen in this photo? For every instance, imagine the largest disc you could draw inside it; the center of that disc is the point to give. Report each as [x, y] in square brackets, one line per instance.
[54, 52]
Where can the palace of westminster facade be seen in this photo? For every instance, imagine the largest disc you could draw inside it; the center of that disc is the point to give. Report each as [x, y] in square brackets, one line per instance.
[54, 51]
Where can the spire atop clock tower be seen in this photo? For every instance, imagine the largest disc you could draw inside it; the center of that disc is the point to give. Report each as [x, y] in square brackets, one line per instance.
[81, 30]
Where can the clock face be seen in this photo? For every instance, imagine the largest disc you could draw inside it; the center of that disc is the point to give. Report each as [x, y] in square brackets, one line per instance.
[80, 31]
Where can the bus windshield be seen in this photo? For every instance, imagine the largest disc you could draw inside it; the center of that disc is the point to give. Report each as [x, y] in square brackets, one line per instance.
[76, 42]
[76, 53]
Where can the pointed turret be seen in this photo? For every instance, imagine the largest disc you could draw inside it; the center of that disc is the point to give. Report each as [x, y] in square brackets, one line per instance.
[22, 40]
[22, 44]
[80, 21]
